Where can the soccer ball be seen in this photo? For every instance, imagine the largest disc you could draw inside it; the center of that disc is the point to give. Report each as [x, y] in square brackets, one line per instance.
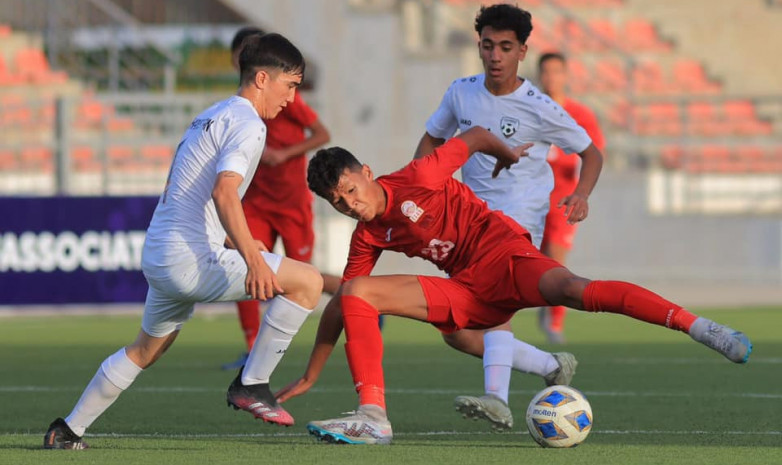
[559, 416]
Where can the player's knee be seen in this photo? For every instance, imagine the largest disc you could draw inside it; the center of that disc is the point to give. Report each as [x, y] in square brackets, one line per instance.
[310, 286]
[573, 290]
[358, 287]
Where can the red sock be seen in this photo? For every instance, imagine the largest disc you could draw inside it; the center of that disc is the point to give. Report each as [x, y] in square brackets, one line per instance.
[364, 348]
[557, 318]
[635, 302]
[250, 320]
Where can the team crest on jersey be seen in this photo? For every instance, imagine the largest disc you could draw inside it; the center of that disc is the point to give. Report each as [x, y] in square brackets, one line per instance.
[508, 126]
[411, 210]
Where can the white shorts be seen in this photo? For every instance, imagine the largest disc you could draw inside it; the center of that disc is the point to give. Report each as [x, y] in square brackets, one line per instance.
[218, 277]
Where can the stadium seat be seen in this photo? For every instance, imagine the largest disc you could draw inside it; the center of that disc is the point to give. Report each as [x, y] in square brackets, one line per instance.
[157, 153]
[609, 76]
[741, 118]
[580, 77]
[648, 78]
[671, 157]
[83, 159]
[118, 155]
[37, 159]
[32, 65]
[8, 78]
[8, 160]
[5, 31]
[640, 35]
[690, 77]
[604, 30]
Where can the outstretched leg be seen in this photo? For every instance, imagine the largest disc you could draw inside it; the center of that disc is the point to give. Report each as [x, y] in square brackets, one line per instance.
[561, 287]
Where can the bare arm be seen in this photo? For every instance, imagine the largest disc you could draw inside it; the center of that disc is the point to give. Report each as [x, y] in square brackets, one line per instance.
[479, 139]
[261, 283]
[577, 204]
[319, 135]
[426, 145]
[329, 330]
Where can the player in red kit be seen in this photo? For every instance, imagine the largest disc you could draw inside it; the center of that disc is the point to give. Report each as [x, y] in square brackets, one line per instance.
[278, 203]
[494, 269]
[558, 233]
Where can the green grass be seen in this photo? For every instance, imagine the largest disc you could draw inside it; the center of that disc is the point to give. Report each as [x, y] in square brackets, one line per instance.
[657, 397]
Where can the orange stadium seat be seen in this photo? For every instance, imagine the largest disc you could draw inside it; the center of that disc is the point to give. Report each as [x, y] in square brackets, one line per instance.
[641, 35]
[84, 160]
[8, 78]
[740, 116]
[580, 77]
[5, 31]
[37, 159]
[671, 157]
[119, 154]
[8, 160]
[610, 76]
[648, 78]
[690, 77]
[31, 63]
[603, 29]
[157, 153]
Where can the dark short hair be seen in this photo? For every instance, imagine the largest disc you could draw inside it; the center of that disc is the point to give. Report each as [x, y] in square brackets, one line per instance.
[504, 17]
[271, 51]
[551, 56]
[326, 167]
[242, 34]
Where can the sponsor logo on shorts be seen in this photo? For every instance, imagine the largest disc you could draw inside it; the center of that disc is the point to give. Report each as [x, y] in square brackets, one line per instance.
[411, 210]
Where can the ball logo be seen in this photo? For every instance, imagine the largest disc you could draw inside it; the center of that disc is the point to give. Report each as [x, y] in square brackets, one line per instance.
[411, 210]
[508, 126]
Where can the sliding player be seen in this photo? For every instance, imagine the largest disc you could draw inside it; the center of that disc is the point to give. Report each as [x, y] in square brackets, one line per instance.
[494, 270]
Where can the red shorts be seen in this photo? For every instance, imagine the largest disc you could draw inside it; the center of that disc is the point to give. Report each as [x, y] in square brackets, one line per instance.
[294, 226]
[489, 292]
[557, 230]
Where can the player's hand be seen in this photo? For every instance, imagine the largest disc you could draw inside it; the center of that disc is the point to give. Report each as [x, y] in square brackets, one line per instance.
[273, 157]
[517, 152]
[576, 208]
[261, 246]
[261, 282]
[296, 388]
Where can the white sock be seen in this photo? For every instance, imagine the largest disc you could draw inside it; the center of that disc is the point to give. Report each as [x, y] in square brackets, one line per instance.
[281, 322]
[115, 374]
[529, 359]
[497, 362]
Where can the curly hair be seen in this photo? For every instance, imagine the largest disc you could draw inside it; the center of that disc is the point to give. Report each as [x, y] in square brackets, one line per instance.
[326, 167]
[505, 17]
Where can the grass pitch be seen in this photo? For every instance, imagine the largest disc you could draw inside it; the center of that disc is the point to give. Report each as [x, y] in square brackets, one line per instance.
[657, 396]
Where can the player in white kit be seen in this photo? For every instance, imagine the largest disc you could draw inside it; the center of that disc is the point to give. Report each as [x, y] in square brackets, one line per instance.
[184, 258]
[518, 113]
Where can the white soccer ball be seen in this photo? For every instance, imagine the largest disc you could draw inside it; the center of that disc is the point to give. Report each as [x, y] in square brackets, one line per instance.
[559, 416]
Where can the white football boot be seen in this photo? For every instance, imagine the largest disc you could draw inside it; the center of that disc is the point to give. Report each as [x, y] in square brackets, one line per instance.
[367, 425]
[488, 407]
[734, 345]
[563, 375]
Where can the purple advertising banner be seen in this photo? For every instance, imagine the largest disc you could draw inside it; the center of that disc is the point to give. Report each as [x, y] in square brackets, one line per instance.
[56, 250]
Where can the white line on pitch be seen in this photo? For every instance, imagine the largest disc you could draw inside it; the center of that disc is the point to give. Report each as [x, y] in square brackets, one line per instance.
[405, 434]
[416, 391]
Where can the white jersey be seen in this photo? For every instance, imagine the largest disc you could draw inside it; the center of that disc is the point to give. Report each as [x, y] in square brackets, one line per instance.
[228, 136]
[525, 115]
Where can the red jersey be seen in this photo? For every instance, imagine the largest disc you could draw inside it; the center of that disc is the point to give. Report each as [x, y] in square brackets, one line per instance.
[566, 167]
[284, 186]
[431, 215]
